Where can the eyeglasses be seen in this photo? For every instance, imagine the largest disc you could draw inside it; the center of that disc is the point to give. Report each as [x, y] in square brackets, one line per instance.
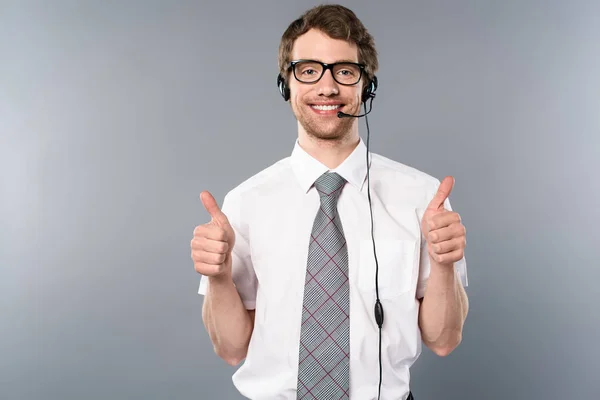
[310, 71]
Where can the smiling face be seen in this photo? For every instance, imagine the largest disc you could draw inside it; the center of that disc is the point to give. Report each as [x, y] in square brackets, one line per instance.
[316, 105]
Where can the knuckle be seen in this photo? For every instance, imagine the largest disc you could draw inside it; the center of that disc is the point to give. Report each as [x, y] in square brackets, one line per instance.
[200, 231]
[199, 268]
[196, 255]
[197, 243]
[203, 269]
[224, 247]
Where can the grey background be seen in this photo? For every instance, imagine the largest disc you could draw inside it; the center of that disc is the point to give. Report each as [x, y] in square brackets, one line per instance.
[115, 115]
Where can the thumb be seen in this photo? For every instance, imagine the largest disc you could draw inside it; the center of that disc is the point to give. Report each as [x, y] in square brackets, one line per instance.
[442, 194]
[211, 206]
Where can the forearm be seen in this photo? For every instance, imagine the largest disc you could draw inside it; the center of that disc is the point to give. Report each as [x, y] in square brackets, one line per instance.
[443, 310]
[226, 319]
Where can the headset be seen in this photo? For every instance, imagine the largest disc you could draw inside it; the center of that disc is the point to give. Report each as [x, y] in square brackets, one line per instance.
[367, 94]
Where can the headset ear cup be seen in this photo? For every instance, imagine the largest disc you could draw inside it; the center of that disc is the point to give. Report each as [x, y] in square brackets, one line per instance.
[283, 89]
[369, 90]
[286, 92]
[366, 92]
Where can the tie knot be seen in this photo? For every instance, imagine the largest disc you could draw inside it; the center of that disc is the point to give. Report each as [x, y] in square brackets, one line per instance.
[329, 185]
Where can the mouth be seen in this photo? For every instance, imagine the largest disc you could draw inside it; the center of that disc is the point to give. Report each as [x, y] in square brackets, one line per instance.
[326, 109]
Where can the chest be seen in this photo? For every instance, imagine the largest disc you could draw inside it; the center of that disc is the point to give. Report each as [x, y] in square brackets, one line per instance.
[280, 233]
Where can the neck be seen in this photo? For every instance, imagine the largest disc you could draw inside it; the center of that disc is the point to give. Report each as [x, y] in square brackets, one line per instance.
[330, 152]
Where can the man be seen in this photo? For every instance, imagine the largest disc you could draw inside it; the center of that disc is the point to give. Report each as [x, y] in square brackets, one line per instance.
[288, 264]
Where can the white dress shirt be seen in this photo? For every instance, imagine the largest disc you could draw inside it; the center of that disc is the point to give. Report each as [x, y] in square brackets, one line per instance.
[272, 214]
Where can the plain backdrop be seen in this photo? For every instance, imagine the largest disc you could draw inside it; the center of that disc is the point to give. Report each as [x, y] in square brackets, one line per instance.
[115, 115]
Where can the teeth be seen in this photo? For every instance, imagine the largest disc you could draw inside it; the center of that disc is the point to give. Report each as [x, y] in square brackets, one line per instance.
[327, 108]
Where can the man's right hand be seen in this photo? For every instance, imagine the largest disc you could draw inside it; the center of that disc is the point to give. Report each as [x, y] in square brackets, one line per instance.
[213, 241]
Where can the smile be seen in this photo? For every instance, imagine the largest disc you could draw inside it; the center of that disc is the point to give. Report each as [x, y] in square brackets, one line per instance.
[326, 107]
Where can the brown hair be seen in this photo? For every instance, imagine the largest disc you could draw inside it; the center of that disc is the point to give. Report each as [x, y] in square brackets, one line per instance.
[338, 22]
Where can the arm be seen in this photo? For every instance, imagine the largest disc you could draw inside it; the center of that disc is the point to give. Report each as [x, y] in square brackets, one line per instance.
[443, 310]
[444, 307]
[227, 321]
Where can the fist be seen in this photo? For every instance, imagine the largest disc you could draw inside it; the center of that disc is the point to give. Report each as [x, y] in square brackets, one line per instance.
[443, 229]
[212, 242]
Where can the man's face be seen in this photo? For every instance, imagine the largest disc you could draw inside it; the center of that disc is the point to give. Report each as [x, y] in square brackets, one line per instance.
[307, 99]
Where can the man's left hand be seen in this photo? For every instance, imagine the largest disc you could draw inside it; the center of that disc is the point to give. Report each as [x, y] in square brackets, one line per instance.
[443, 230]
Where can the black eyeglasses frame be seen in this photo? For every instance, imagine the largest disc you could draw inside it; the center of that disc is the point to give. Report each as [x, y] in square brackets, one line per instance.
[326, 66]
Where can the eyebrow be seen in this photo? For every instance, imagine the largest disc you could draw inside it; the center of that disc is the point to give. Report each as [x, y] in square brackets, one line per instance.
[337, 61]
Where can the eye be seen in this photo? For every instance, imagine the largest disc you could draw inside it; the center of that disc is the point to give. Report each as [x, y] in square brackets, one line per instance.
[346, 72]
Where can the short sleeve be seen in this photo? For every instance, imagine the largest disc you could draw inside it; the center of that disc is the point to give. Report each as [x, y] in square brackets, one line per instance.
[424, 265]
[242, 269]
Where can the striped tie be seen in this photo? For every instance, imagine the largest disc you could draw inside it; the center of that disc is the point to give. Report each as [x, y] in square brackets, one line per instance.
[324, 362]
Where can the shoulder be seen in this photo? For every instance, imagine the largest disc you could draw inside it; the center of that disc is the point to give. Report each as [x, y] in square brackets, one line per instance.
[260, 183]
[392, 173]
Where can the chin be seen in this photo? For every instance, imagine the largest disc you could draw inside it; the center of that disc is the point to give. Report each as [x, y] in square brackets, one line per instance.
[335, 136]
[325, 131]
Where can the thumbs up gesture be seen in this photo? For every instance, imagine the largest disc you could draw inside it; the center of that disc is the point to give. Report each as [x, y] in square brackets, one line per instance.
[212, 242]
[443, 230]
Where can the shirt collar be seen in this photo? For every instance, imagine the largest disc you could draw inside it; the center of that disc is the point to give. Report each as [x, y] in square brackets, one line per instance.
[307, 169]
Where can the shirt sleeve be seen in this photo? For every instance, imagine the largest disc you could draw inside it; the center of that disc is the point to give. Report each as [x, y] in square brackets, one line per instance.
[242, 269]
[424, 265]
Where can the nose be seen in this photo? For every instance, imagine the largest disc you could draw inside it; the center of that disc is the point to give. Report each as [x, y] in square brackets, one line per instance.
[327, 85]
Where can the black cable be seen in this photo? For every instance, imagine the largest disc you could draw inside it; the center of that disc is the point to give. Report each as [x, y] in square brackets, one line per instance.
[378, 306]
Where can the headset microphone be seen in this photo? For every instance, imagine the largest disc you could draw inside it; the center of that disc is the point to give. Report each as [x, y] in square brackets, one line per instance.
[344, 115]
[341, 114]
